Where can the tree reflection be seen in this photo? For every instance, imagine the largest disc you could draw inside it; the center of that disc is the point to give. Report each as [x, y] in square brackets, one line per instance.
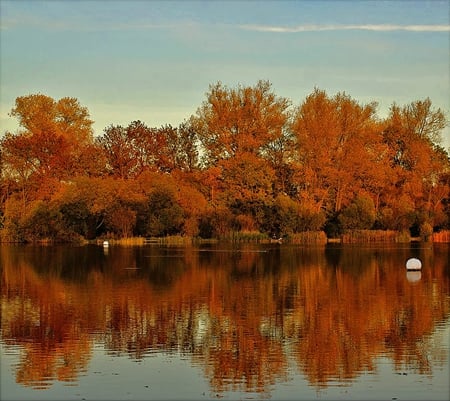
[244, 315]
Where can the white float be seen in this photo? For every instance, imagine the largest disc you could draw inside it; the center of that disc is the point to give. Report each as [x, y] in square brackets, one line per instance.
[105, 244]
[413, 264]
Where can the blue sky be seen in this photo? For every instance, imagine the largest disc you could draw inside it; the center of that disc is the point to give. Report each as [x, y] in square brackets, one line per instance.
[154, 60]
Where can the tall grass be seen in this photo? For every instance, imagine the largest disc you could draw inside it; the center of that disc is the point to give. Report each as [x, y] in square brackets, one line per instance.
[245, 236]
[130, 241]
[139, 241]
[442, 236]
[369, 236]
[308, 237]
[176, 240]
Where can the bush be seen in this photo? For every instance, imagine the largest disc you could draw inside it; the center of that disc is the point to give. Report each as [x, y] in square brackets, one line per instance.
[359, 215]
[165, 216]
[426, 231]
[216, 223]
[42, 222]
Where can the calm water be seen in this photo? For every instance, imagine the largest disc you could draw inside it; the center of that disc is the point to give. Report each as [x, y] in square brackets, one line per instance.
[254, 322]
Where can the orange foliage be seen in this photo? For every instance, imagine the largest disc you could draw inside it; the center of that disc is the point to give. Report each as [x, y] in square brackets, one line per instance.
[244, 148]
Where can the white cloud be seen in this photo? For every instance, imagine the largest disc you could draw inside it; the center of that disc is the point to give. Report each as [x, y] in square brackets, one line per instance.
[364, 27]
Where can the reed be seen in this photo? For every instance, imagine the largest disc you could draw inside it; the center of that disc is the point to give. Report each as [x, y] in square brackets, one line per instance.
[245, 236]
[140, 241]
[176, 240]
[130, 241]
[369, 236]
[308, 237]
[442, 236]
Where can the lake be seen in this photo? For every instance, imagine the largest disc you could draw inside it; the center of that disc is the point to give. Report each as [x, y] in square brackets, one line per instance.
[219, 321]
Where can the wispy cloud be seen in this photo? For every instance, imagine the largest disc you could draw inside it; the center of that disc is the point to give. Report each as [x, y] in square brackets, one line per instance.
[363, 27]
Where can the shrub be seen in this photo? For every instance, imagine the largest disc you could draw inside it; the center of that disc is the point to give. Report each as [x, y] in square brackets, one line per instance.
[426, 231]
[165, 216]
[216, 223]
[360, 214]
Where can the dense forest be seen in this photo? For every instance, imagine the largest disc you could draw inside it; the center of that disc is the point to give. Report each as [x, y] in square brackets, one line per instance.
[248, 161]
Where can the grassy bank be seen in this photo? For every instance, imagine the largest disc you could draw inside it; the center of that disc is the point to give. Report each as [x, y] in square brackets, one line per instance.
[371, 236]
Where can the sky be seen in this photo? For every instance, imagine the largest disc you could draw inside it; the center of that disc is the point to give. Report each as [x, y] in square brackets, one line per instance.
[154, 60]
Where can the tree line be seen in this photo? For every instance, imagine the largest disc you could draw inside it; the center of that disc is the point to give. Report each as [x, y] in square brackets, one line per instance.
[248, 160]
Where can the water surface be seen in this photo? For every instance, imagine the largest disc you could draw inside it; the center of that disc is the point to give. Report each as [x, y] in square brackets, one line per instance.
[217, 321]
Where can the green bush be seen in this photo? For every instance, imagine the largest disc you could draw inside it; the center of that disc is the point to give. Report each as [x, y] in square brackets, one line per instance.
[165, 215]
[359, 215]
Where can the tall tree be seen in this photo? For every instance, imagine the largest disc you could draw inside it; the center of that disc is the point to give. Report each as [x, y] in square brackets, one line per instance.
[121, 158]
[133, 149]
[187, 147]
[280, 154]
[51, 140]
[244, 119]
[242, 132]
[413, 134]
[336, 138]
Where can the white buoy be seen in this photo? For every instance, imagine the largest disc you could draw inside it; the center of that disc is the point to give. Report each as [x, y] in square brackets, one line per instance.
[413, 264]
[105, 244]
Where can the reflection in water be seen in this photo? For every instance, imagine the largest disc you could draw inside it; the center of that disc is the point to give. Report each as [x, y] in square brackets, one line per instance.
[246, 316]
[413, 276]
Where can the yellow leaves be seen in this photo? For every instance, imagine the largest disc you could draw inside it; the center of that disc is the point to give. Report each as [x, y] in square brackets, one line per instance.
[336, 144]
[245, 144]
[73, 121]
[53, 140]
[39, 113]
[36, 113]
[244, 119]
[243, 178]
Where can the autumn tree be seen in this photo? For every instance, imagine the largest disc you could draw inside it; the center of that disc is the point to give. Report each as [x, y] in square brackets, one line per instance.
[136, 148]
[242, 120]
[39, 113]
[155, 146]
[4, 191]
[337, 140]
[53, 136]
[122, 157]
[54, 142]
[171, 205]
[237, 128]
[245, 161]
[413, 134]
[185, 147]
[280, 153]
